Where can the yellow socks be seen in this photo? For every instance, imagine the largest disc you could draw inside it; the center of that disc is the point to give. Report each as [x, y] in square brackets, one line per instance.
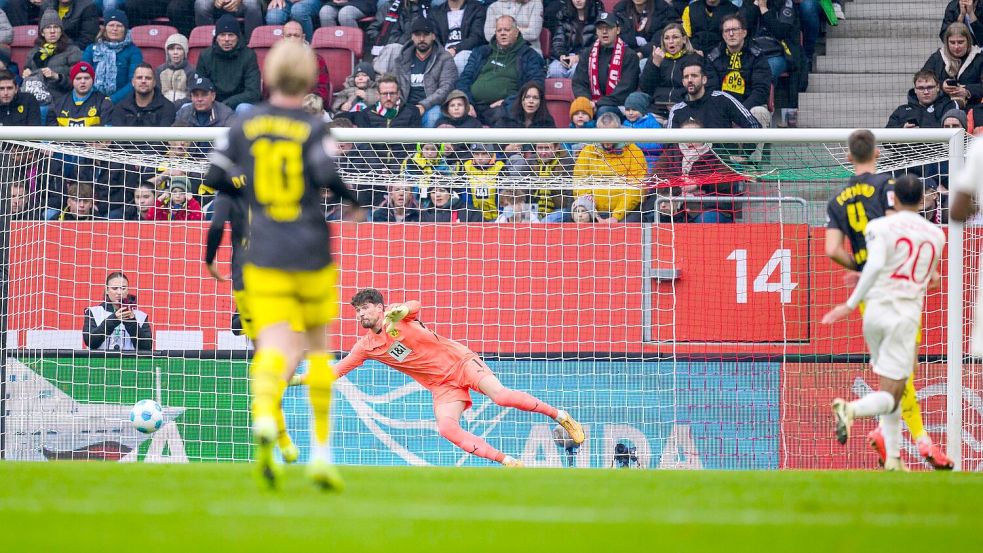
[911, 412]
[266, 375]
[320, 377]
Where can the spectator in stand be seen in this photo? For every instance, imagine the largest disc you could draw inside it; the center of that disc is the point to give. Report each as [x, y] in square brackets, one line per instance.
[516, 207]
[481, 173]
[581, 117]
[80, 18]
[231, 66]
[46, 71]
[400, 206]
[180, 13]
[967, 12]
[116, 324]
[496, 71]
[695, 170]
[391, 30]
[176, 205]
[739, 68]
[144, 199]
[203, 110]
[529, 112]
[390, 111]
[574, 31]
[303, 12]
[934, 207]
[610, 69]
[79, 203]
[958, 65]
[426, 73]
[583, 210]
[617, 164]
[637, 117]
[114, 57]
[460, 27]
[552, 168]
[662, 78]
[6, 32]
[17, 108]
[22, 204]
[926, 104]
[293, 31]
[642, 21]
[208, 11]
[445, 207]
[176, 73]
[145, 106]
[527, 15]
[454, 112]
[360, 90]
[425, 166]
[714, 110]
[774, 24]
[83, 106]
[345, 13]
[702, 19]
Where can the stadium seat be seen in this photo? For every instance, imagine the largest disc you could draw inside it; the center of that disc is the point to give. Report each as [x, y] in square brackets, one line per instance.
[263, 39]
[609, 5]
[340, 47]
[150, 39]
[545, 42]
[201, 38]
[559, 94]
[24, 37]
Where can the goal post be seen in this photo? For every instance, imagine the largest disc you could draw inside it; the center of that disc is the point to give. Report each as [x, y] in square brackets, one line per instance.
[698, 344]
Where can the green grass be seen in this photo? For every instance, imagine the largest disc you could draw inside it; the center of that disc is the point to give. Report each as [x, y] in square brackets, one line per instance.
[75, 506]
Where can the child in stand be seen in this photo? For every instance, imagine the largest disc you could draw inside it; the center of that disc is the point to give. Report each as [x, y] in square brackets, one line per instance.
[583, 210]
[516, 207]
[481, 173]
[144, 199]
[637, 117]
[176, 73]
[581, 117]
[425, 165]
[177, 205]
[359, 92]
[79, 203]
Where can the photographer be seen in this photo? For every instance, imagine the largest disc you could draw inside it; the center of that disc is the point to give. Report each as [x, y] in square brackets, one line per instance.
[116, 324]
[926, 104]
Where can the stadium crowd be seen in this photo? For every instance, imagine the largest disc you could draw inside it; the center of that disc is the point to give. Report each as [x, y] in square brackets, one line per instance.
[440, 63]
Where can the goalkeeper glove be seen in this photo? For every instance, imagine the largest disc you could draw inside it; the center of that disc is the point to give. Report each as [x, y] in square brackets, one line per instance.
[394, 315]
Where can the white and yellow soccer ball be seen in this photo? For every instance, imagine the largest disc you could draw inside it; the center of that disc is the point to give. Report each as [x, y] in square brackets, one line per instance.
[147, 416]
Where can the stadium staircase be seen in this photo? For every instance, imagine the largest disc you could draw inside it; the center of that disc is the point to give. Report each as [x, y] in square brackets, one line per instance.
[866, 70]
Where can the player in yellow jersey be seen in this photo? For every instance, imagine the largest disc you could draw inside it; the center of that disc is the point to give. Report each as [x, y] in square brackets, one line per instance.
[868, 196]
[279, 158]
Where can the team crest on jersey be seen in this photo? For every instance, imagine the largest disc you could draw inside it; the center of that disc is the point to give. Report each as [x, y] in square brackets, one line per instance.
[92, 111]
[394, 332]
[399, 352]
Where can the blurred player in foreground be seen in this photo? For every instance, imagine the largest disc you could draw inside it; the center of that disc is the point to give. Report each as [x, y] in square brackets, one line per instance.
[866, 197]
[903, 252]
[964, 203]
[446, 368]
[279, 157]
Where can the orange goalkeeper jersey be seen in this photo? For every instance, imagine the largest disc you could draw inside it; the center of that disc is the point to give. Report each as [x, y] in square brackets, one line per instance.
[410, 348]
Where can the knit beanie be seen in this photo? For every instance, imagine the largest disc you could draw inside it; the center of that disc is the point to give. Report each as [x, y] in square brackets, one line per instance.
[365, 67]
[638, 101]
[179, 39]
[957, 114]
[116, 15]
[586, 202]
[227, 24]
[581, 104]
[50, 17]
[81, 67]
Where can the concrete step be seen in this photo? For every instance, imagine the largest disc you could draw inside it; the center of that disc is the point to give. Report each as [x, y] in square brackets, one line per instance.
[851, 102]
[886, 83]
[882, 28]
[891, 10]
[820, 116]
[869, 65]
[852, 47]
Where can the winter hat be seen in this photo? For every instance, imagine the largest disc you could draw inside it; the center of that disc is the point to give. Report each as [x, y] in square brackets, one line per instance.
[227, 24]
[365, 67]
[117, 16]
[581, 104]
[50, 17]
[957, 114]
[81, 67]
[180, 183]
[638, 101]
[179, 39]
[586, 202]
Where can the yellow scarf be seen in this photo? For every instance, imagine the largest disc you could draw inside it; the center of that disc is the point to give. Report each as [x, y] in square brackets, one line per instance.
[47, 50]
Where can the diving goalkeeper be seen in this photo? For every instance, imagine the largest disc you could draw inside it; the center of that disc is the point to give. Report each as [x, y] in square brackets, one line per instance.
[446, 368]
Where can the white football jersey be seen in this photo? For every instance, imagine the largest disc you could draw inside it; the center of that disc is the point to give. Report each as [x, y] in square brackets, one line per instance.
[904, 250]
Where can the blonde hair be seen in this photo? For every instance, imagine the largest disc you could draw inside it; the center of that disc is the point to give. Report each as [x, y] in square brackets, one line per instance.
[290, 68]
[954, 64]
[314, 104]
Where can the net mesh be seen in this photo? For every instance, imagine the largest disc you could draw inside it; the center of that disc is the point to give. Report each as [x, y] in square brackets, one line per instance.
[696, 344]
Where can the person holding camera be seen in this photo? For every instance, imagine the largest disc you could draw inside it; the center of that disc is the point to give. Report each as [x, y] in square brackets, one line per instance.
[117, 324]
[926, 104]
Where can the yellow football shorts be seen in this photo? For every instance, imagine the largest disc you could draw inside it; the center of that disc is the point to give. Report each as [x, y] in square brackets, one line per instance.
[303, 299]
[245, 314]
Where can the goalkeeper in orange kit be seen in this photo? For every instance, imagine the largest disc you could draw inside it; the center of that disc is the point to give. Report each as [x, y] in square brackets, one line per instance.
[448, 369]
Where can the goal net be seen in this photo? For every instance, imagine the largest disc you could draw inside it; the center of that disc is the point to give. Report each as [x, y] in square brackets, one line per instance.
[681, 321]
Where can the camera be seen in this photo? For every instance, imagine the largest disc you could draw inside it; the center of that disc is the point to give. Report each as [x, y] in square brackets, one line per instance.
[625, 457]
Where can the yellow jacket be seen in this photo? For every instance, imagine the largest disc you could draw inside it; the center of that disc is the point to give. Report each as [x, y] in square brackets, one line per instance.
[595, 163]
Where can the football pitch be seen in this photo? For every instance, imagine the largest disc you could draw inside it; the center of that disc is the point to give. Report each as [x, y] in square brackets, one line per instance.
[78, 506]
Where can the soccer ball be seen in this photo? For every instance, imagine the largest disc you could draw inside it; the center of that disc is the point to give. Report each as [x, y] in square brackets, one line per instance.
[147, 416]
